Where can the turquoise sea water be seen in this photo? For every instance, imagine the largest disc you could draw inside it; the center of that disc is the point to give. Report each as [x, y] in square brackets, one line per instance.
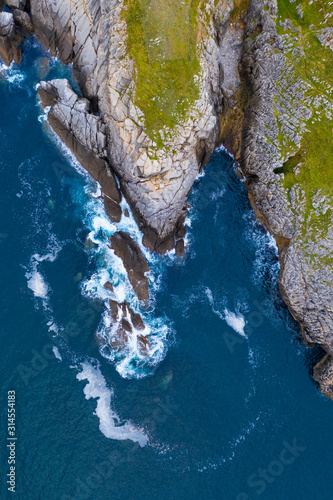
[226, 407]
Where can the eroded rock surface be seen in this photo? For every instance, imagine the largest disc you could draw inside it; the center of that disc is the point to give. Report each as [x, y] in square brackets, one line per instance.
[84, 133]
[285, 112]
[156, 181]
[134, 261]
[10, 39]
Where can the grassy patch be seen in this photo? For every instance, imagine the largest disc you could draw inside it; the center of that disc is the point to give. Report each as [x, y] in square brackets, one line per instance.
[239, 12]
[163, 38]
[311, 168]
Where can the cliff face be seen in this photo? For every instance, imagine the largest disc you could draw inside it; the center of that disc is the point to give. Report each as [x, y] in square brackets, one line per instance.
[156, 163]
[287, 154]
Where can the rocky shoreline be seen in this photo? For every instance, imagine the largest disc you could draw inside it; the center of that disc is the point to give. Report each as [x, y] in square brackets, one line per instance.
[253, 97]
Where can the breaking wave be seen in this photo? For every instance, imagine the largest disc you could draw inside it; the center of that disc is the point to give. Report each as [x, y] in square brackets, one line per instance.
[109, 425]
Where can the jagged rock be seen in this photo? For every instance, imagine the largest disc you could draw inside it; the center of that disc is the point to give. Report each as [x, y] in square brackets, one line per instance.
[92, 37]
[89, 245]
[10, 39]
[16, 4]
[23, 21]
[124, 320]
[7, 25]
[81, 131]
[323, 374]
[109, 286]
[134, 261]
[112, 209]
[180, 248]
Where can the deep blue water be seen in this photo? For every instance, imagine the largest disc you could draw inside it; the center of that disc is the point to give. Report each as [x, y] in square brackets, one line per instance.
[228, 395]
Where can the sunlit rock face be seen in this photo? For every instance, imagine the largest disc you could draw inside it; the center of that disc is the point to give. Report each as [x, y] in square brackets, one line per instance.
[156, 150]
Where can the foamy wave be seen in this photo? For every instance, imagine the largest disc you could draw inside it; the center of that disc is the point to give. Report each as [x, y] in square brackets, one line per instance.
[129, 361]
[109, 420]
[235, 321]
[12, 75]
[37, 284]
[57, 353]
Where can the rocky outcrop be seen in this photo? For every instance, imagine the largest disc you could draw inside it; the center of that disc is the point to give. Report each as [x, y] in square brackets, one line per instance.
[126, 325]
[71, 118]
[156, 181]
[10, 39]
[23, 21]
[134, 261]
[274, 156]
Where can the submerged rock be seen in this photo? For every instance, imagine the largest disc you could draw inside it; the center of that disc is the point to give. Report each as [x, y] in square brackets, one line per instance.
[122, 332]
[134, 261]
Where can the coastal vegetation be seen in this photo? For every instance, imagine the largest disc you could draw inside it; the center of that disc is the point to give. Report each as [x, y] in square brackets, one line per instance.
[163, 39]
[309, 166]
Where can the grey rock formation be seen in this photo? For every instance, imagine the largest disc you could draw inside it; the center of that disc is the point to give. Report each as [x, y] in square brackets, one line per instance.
[82, 132]
[10, 39]
[134, 261]
[124, 321]
[7, 25]
[16, 4]
[156, 182]
[278, 107]
[23, 21]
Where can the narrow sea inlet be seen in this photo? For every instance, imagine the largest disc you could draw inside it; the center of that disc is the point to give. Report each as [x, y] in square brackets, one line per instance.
[224, 407]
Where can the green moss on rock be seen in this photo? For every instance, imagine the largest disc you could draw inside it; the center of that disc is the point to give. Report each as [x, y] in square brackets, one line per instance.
[163, 40]
[310, 169]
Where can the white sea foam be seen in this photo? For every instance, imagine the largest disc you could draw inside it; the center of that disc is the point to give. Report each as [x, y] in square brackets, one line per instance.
[57, 353]
[37, 284]
[130, 361]
[12, 75]
[109, 420]
[36, 281]
[235, 321]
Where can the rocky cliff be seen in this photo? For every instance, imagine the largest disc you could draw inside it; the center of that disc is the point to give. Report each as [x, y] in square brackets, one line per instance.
[156, 150]
[162, 82]
[286, 154]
